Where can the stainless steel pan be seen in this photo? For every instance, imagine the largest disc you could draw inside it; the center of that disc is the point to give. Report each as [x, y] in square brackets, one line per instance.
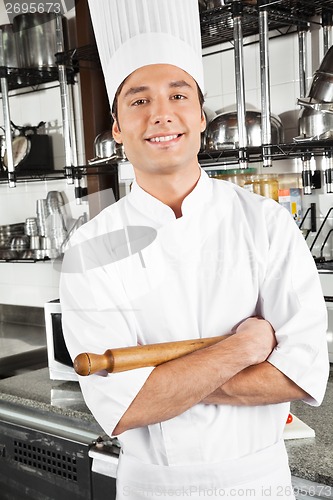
[107, 149]
[222, 131]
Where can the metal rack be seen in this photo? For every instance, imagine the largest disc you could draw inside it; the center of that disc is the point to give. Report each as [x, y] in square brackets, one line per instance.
[32, 77]
[285, 16]
[242, 18]
[293, 150]
[217, 26]
[68, 63]
[15, 78]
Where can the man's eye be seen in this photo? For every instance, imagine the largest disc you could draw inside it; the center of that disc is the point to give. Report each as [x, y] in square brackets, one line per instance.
[178, 96]
[139, 102]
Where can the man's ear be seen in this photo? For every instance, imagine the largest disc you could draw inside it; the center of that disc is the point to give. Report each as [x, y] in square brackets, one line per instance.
[203, 121]
[116, 132]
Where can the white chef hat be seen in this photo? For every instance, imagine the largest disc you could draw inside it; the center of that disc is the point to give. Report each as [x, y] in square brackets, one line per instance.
[135, 33]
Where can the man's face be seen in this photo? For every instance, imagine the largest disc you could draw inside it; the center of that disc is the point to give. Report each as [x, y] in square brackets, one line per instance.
[160, 119]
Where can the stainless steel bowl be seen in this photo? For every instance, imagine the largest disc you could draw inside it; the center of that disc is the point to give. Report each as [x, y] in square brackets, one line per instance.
[107, 149]
[315, 124]
[209, 115]
[20, 242]
[322, 87]
[322, 83]
[326, 65]
[222, 131]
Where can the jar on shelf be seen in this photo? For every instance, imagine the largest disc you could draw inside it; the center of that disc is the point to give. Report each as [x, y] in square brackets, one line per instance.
[264, 184]
[236, 175]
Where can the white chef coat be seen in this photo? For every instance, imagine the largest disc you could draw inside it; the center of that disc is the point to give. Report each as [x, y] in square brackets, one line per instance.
[230, 256]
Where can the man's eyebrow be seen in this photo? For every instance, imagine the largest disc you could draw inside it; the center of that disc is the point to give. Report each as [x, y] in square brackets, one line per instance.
[144, 88]
[179, 84]
[135, 90]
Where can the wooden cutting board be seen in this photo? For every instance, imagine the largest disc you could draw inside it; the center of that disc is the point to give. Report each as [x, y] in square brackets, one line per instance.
[297, 429]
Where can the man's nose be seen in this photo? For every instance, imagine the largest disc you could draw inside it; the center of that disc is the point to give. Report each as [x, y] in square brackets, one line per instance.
[161, 112]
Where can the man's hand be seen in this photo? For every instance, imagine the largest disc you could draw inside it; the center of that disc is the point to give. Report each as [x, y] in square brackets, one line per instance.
[258, 334]
[260, 383]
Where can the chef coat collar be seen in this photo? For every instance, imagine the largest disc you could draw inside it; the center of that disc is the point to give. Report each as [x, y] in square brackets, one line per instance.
[162, 213]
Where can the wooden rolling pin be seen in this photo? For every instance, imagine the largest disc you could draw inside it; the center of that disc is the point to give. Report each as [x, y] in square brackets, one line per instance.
[129, 358]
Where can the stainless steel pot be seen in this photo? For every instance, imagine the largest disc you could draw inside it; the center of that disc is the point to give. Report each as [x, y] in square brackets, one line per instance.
[107, 149]
[222, 132]
[105, 145]
[322, 87]
[210, 115]
[9, 56]
[322, 83]
[326, 65]
[36, 39]
[315, 124]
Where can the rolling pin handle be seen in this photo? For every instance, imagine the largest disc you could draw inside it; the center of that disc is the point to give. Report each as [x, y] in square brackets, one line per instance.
[88, 363]
[82, 365]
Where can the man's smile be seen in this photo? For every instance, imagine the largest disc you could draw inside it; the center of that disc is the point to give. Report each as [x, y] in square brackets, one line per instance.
[164, 138]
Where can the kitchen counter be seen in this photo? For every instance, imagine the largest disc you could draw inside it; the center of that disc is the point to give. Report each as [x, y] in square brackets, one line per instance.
[310, 458]
[21, 347]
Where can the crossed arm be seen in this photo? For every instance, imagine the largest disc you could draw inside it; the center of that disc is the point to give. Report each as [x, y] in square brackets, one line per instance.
[233, 371]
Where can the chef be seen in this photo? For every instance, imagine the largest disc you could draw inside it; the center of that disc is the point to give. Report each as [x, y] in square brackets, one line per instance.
[209, 424]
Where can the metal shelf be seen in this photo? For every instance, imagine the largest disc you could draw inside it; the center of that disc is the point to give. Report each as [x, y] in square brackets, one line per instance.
[30, 175]
[293, 150]
[33, 77]
[283, 15]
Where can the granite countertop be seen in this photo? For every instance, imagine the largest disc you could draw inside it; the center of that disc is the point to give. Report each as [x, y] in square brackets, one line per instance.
[21, 347]
[310, 458]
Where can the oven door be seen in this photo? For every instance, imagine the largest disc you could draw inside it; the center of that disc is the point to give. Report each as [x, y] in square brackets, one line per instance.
[60, 363]
[326, 281]
[329, 305]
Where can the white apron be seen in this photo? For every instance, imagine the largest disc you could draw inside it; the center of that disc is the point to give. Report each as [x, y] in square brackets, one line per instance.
[265, 474]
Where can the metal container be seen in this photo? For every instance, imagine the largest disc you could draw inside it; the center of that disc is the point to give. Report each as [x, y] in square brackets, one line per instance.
[322, 87]
[105, 145]
[209, 115]
[107, 149]
[222, 132]
[9, 55]
[326, 65]
[322, 83]
[20, 242]
[315, 124]
[36, 39]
